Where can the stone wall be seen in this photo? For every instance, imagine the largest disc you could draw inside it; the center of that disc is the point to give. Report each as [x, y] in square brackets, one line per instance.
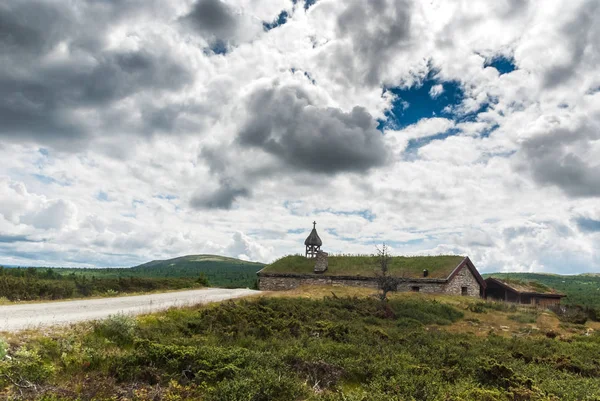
[464, 278]
[426, 287]
[281, 282]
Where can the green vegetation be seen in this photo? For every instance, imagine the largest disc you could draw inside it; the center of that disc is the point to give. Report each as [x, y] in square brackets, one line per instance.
[219, 270]
[37, 283]
[583, 289]
[30, 284]
[282, 349]
[368, 265]
[527, 286]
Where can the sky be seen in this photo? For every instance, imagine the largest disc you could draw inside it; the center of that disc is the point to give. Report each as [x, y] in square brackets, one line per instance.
[133, 130]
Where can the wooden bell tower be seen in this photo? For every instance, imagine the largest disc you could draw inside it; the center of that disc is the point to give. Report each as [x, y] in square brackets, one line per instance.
[313, 242]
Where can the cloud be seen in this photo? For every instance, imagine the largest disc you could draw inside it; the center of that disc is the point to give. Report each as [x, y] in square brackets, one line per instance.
[562, 156]
[221, 198]
[578, 44]
[243, 247]
[9, 239]
[220, 24]
[436, 90]
[370, 35]
[55, 215]
[285, 122]
[60, 83]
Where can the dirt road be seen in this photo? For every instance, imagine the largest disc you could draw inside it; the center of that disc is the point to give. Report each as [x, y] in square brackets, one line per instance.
[24, 316]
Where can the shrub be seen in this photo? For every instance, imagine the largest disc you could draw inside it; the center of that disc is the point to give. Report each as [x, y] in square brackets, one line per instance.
[119, 329]
[263, 385]
[570, 314]
[3, 349]
[203, 280]
[25, 368]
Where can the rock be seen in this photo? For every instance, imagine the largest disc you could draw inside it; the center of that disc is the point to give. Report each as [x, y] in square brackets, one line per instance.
[321, 262]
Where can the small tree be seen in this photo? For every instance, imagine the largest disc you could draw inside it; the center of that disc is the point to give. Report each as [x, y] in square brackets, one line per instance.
[385, 282]
[203, 280]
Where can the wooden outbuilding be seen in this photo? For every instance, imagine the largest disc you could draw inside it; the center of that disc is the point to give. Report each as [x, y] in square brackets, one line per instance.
[521, 292]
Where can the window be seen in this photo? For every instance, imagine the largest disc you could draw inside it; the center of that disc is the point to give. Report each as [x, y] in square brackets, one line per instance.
[465, 290]
[414, 289]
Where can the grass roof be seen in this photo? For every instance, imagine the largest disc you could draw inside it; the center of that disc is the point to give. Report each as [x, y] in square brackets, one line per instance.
[526, 286]
[439, 267]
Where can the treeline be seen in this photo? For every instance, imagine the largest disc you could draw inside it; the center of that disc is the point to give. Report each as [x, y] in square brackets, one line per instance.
[220, 274]
[27, 284]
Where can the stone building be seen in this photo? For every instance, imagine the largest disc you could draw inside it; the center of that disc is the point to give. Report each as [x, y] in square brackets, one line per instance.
[429, 274]
[521, 292]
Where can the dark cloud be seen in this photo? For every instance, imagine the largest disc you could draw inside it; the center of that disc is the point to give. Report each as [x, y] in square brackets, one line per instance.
[556, 159]
[41, 99]
[284, 122]
[581, 35]
[40, 106]
[377, 31]
[213, 19]
[31, 26]
[222, 198]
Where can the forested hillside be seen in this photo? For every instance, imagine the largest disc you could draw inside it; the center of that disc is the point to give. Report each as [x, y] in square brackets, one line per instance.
[220, 271]
[582, 289]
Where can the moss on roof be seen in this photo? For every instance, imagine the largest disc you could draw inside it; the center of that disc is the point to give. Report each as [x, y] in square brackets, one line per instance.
[439, 267]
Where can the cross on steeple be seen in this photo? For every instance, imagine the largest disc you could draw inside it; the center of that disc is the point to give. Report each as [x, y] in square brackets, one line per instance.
[314, 224]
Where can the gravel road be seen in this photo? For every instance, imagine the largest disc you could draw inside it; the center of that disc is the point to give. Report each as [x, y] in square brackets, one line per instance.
[24, 316]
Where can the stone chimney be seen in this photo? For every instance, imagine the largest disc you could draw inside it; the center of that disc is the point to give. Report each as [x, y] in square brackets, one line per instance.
[321, 263]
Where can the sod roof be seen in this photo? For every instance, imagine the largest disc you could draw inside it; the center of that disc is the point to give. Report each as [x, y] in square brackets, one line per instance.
[439, 267]
[526, 286]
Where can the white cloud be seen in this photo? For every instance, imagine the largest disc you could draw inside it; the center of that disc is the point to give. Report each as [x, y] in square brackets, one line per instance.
[436, 90]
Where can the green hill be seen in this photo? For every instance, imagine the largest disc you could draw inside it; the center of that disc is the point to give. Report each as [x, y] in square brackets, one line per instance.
[220, 270]
[581, 289]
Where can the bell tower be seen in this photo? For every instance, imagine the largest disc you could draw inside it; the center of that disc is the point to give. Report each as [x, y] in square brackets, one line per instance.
[313, 242]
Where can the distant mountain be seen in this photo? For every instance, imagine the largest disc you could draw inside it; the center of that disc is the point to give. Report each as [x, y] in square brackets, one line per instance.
[195, 259]
[221, 271]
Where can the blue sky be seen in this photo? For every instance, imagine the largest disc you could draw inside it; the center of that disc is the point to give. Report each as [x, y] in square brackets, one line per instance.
[228, 127]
